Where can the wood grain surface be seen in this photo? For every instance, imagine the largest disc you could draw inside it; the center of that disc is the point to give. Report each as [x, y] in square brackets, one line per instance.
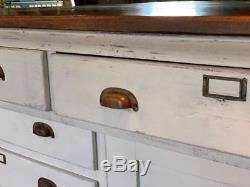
[227, 18]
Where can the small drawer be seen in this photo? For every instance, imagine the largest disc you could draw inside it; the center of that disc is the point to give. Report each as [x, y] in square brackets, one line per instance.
[201, 105]
[70, 144]
[23, 78]
[18, 171]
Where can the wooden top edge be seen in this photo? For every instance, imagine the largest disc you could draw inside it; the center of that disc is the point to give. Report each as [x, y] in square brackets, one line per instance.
[228, 18]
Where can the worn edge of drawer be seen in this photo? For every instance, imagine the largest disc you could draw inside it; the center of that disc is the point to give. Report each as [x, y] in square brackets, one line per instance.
[51, 166]
[179, 147]
[47, 93]
[94, 146]
[45, 74]
[198, 151]
[97, 175]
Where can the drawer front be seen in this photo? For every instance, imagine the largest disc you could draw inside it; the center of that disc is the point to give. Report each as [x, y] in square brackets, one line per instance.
[168, 168]
[175, 101]
[161, 176]
[66, 143]
[180, 170]
[25, 79]
[18, 171]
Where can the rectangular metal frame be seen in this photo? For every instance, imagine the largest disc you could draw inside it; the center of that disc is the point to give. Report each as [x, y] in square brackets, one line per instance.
[242, 88]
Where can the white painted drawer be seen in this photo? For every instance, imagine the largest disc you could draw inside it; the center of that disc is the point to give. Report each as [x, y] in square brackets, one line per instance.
[26, 80]
[70, 144]
[173, 169]
[169, 168]
[171, 102]
[19, 171]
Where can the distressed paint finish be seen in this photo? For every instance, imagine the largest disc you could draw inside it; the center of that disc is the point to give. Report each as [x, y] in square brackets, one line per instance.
[26, 78]
[20, 171]
[72, 145]
[174, 169]
[169, 95]
[237, 161]
[226, 130]
[207, 50]
[180, 170]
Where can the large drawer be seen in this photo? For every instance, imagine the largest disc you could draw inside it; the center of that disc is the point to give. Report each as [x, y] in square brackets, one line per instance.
[17, 171]
[24, 78]
[70, 144]
[175, 101]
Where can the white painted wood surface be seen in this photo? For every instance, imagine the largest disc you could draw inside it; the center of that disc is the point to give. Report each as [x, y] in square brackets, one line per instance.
[164, 177]
[170, 99]
[163, 143]
[54, 162]
[72, 145]
[26, 78]
[168, 168]
[120, 147]
[23, 172]
[162, 89]
[209, 50]
[178, 170]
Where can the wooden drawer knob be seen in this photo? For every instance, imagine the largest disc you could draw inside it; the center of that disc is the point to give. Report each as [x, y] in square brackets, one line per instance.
[118, 98]
[2, 75]
[43, 182]
[43, 130]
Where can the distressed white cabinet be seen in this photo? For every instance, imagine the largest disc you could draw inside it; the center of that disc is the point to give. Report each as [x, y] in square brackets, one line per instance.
[69, 100]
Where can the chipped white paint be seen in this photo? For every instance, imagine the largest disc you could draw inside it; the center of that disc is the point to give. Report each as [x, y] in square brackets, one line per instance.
[162, 89]
[163, 143]
[71, 145]
[20, 171]
[170, 100]
[210, 50]
[26, 78]
[180, 170]
[173, 169]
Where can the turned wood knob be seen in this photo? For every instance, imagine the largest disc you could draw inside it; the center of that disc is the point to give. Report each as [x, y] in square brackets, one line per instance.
[118, 98]
[43, 182]
[43, 130]
[2, 75]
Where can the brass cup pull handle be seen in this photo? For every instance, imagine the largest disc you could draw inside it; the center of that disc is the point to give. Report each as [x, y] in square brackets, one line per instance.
[43, 130]
[2, 75]
[43, 182]
[118, 98]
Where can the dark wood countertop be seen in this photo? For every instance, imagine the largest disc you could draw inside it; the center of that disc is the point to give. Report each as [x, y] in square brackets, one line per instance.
[222, 18]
